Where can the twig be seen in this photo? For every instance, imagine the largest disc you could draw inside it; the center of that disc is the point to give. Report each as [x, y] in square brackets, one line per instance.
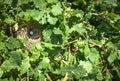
[70, 42]
[48, 77]
[27, 75]
[69, 52]
[66, 77]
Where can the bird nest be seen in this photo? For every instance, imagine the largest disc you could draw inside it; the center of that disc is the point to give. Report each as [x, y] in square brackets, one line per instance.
[31, 31]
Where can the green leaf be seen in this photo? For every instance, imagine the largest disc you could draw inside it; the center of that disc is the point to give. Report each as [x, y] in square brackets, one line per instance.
[16, 56]
[66, 35]
[118, 73]
[2, 46]
[38, 74]
[99, 76]
[25, 14]
[117, 26]
[56, 9]
[35, 56]
[12, 43]
[45, 63]
[86, 50]
[47, 34]
[21, 14]
[1, 1]
[8, 65]
[11, 79]
[67, 31]
[78, 27]
[25, 1]
[88, 16]
[80, 40]
[43, 20]
[41, 4]
[86, 65]
[36, 14]
[4, 79]
[38, 46]
[110, 45]
[112, 57]
[73, 70]
[52, 1]
[52, 20]
[57, 31]
[1, 72]
[112, 15]
[94, 56]
[8, 2]
[9, 20]
[42, 77]
[25, 66]
[119, 54]
[78, 13]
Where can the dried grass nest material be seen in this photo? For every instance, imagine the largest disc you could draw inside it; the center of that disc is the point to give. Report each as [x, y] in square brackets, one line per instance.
[32, 32]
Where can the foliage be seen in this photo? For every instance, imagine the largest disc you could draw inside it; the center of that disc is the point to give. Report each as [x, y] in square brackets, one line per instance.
[81, 40]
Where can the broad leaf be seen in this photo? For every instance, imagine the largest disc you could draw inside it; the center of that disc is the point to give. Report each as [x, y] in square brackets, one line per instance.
[25, 66]
[8, 65]
[52, 1]
[99, 75]
[57, 31]
[52, 20]
[56, 9]
[94, 56]
[46, 35]
[86, 50]
[1, 72]
[72, 70]
[8, 2]
[24, 1]
[2, 45]
[17, 57]
[78, 27]
[12, 43]
[36, 14]
[41, 4]
[9, 20]
[112, 57]
[87, 66]
[44, 64]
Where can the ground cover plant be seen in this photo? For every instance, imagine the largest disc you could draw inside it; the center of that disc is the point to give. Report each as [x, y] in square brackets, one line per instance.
[80, 40]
